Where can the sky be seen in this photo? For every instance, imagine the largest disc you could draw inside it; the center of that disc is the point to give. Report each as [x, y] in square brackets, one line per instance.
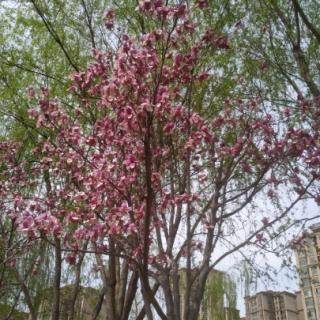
[281, 278]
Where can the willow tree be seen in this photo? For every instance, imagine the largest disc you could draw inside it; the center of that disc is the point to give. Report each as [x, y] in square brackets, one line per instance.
[133, 175]
[151, 160]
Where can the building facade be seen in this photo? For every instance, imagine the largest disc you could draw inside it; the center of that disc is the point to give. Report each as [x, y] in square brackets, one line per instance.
[300, 309]
[307, 251]
[84, 308]
[271, 305]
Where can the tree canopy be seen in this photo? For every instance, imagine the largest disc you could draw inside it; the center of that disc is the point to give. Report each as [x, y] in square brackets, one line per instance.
[142, 139]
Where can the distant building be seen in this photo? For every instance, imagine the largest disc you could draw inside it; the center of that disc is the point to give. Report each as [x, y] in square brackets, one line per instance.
[231, 313]
[300, 310]
[307, 251]
[271, 305]
[219, 300]
[6, 310]
[84, 308]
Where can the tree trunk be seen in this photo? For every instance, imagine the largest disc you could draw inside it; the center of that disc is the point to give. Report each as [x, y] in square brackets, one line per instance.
[130, 295]
[56, 281]
[26, 294]
[76, 287]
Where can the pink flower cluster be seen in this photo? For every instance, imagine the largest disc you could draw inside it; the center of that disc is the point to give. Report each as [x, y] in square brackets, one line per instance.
[135, 135]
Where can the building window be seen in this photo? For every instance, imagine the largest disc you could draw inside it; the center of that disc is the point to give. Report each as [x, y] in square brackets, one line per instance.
[303, 271]
[313, 260]
[311, 314]
[302, 261]
[314, 271]
[309, 302]
[307, 293]
[305, 282]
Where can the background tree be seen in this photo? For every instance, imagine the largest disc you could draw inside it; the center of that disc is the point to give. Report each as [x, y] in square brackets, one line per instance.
[229, 178]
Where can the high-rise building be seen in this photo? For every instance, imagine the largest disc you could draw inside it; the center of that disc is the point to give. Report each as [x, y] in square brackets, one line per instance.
[307, 251]
[271, 305]
[300, 309]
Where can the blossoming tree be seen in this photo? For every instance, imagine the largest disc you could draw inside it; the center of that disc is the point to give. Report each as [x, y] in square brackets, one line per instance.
[135, 177]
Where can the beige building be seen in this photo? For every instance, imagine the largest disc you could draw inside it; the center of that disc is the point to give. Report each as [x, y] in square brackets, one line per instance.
[270, 305]
[307, 251]
[84, 309]
[301, 315]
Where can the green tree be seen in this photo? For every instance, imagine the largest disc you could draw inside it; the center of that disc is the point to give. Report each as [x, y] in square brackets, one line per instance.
[271, 55]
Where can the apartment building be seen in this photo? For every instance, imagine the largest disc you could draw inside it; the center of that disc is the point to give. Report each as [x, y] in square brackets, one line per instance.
[300, 308]
[271, 305]
[307, 251]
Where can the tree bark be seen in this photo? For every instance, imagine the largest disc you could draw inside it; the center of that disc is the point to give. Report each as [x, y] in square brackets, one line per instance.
[130, 295]
[26, 294]
[76, 286]
[56, 281]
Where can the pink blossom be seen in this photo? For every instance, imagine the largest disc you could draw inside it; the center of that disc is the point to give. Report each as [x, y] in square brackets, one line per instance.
[265, 221]
[109, 24]
[73, 217]
[169, 127]
[203, 76]
[31, 92]
[71, 259]
[202, 4]
[260, 237]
